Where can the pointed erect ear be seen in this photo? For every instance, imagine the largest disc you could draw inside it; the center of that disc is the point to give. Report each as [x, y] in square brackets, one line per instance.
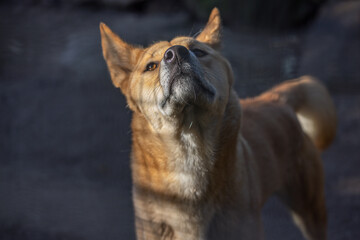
[211, 34]
[120, 57]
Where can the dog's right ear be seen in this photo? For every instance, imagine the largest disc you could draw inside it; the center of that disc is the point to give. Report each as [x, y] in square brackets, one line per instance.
[211, 34]
[120, 57]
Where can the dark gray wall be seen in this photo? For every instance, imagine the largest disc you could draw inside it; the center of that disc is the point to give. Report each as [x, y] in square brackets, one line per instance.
[64, 129]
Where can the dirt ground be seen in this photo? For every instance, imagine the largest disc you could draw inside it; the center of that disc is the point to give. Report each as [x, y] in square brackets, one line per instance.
[64, 129]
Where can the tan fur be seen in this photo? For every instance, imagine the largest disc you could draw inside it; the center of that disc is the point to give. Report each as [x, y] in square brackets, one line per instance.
[203, 171]
[313, 106]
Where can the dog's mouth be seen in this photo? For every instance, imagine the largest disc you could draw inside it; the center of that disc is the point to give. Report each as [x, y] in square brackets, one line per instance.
[183, 82]
[188, 89]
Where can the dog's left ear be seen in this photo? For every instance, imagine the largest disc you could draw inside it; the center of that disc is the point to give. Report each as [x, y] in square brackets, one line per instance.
[211, 34]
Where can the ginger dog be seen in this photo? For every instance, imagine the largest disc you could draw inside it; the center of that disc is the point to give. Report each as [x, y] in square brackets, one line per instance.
[204, 163]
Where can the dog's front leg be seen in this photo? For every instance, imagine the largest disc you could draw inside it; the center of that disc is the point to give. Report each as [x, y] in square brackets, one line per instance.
[235, 226]
[157, 218]
[150, 229]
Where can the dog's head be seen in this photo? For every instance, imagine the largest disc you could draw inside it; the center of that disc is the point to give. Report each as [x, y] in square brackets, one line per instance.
[169, 80]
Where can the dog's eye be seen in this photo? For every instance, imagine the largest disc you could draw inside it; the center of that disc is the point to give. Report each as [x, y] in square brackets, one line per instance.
[151, 66]
[199, 52]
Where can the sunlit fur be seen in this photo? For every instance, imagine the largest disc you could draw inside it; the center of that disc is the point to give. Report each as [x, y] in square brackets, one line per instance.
[204, 165]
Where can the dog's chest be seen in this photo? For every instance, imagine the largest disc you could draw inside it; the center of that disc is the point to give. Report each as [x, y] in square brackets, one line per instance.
[191, 165]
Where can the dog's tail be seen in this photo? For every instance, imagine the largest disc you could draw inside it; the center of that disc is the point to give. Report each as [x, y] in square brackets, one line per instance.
[314, 108]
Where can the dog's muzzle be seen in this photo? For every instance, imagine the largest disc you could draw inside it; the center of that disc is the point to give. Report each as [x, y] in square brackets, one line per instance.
[182, 80]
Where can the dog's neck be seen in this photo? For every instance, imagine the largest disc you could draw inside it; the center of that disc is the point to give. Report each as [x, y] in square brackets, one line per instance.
[179, 160]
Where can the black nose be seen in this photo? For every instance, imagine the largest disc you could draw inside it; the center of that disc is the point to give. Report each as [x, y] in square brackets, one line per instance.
[176, 52]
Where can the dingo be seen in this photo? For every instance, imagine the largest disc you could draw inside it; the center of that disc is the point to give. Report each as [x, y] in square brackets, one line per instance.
[203, 162]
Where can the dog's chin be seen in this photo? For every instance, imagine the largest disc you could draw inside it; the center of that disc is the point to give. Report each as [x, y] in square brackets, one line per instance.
[187, 91]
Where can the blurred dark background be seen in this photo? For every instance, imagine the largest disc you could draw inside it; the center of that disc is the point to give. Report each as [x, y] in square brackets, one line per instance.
[64, 129]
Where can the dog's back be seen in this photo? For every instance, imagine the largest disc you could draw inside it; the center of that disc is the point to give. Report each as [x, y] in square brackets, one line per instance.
[313, 106]
[297, 120]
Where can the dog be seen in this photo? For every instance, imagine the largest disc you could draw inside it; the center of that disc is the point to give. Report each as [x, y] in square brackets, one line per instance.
[204, 162]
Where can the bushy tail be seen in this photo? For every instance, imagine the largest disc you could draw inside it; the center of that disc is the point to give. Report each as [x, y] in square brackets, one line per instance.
[313, 106]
